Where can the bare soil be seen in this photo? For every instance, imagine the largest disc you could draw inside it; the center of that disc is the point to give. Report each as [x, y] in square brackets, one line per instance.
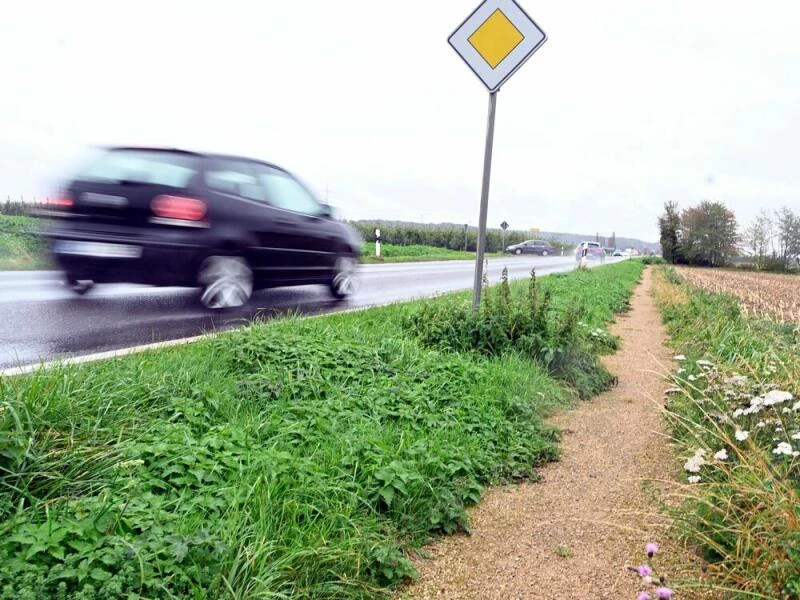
[574, 533]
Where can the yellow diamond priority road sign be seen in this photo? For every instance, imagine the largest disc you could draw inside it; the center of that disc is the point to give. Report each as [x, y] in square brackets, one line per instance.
[496, 39]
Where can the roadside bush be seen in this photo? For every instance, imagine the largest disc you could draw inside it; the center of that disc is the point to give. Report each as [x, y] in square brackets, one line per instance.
[526, 323]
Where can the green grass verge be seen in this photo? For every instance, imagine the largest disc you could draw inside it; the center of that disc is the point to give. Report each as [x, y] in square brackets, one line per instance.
[20, 248]
[735, 416]
[290, 459]
[391, 253]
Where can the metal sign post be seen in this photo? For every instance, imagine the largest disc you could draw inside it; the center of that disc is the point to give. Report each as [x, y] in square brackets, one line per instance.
[494, 41]
[487, 172]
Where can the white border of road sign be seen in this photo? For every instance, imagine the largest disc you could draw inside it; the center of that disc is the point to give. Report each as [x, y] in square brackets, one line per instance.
[533, 38]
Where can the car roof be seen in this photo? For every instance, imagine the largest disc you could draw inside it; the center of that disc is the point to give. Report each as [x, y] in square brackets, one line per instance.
[173, 150]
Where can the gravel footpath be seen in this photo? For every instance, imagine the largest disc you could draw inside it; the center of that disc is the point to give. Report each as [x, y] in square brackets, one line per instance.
[574, 534]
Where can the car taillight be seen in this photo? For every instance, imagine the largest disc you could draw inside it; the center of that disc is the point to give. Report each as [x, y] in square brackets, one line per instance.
[178, 207]
[63, 202]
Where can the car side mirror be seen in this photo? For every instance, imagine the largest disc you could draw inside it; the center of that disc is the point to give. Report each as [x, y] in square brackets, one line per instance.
[326, 210]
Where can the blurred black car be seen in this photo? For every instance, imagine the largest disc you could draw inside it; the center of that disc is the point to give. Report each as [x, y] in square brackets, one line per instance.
[226, 224]
[540, 247]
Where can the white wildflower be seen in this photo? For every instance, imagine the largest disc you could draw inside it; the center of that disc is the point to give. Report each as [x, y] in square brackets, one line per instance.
[776, 397]
[736, 379]
[692, 378]
[694, 479]
[738, 413]
[741, 435]
[679, 357]
[695, 462]
[705, 363]
[786, 410]
[751, 410]
[796, 436]
[783, 448]
[761, 424]
[721, 455]
[796, 406]
[778, 429]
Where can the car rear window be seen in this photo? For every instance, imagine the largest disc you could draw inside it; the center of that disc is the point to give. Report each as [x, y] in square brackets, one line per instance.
[142, 166]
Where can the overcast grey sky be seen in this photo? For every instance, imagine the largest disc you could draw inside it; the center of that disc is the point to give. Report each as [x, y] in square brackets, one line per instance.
[630, 102]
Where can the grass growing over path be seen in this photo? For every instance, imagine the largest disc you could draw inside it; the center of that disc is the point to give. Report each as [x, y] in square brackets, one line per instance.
[291, 459]
[735, 415]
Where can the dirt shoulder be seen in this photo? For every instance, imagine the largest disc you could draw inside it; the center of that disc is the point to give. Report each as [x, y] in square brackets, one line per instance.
[573, 534]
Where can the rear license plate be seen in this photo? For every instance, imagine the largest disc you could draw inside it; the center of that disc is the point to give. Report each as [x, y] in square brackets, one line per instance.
[94, 199]
[97, 249]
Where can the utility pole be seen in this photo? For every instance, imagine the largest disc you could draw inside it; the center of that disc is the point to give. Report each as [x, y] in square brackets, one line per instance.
[465, 236]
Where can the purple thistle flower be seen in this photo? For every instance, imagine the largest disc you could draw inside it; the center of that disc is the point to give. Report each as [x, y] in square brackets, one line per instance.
[643, 596]
[664, 593]
[651, 549]
[644, 570]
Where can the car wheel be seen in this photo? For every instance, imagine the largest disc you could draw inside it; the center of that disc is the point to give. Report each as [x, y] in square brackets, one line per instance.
[343, 279]
[517, 251]
[545, 253]
[79, 286]
[227, 282]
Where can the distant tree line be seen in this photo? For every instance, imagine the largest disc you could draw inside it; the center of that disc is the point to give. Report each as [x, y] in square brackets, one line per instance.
[708, 235]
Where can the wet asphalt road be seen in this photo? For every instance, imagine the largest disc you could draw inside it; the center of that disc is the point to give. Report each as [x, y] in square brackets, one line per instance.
[41, 320]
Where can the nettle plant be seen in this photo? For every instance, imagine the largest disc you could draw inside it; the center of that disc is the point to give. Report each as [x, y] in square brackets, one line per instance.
[654, 586]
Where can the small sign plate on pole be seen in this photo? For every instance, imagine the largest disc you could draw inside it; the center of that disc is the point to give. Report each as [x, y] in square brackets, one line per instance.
[495, 41]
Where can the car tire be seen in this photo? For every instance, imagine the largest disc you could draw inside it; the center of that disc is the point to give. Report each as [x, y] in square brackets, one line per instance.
[343, 277]
[79, 286]
[227, 282]
[545, 253]
[517, 251]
